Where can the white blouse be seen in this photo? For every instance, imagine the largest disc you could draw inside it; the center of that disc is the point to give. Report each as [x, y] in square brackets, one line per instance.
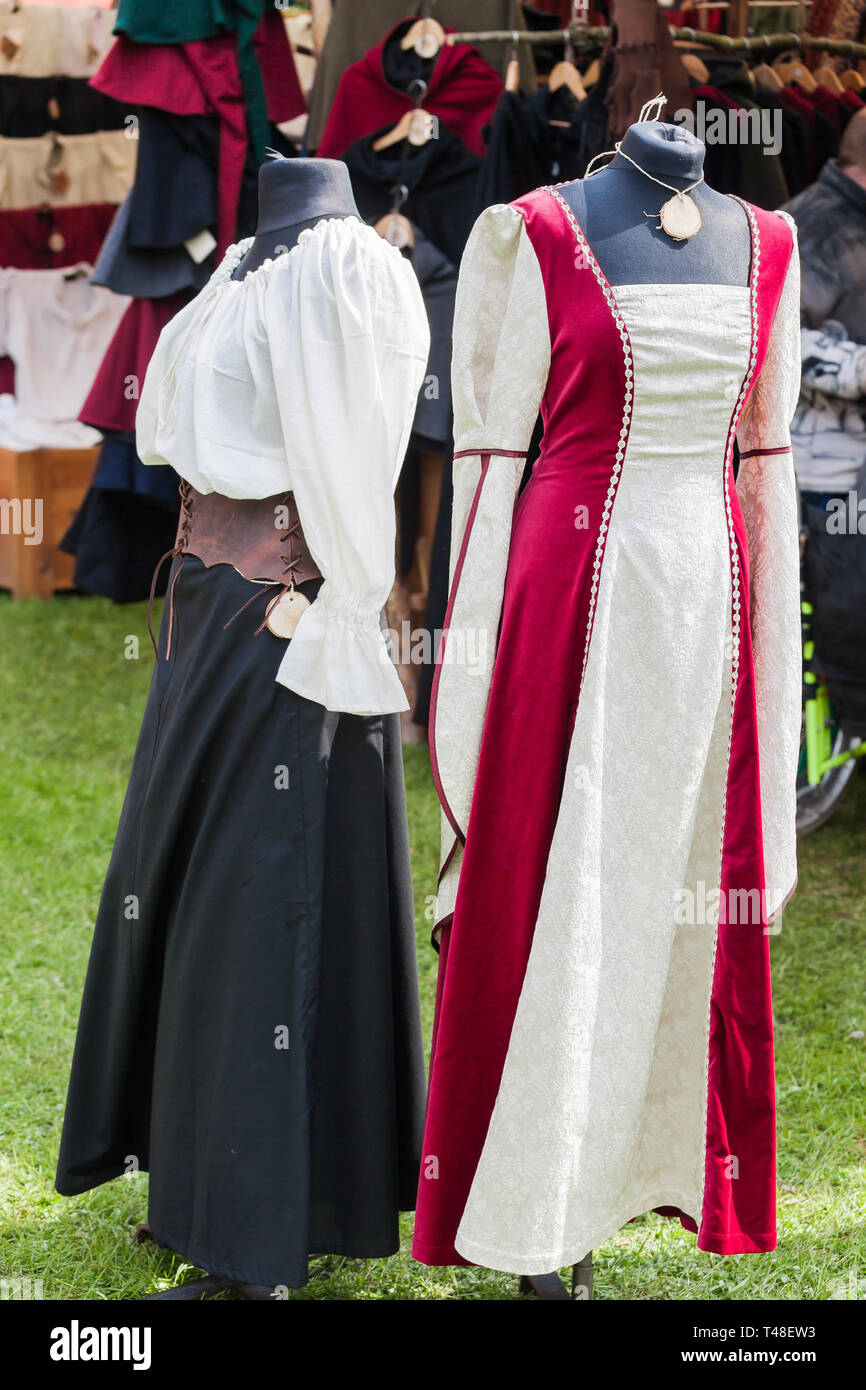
[303, 376]
[56, 326]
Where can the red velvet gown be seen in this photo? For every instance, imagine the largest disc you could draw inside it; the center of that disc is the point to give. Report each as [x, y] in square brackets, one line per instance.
[614, 741]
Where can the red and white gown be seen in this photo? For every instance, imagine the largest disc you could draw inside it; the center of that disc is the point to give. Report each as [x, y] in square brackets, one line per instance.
[614, 739]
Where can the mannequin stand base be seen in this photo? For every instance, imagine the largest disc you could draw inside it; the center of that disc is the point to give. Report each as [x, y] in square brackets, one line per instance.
[550, 1287]
[197, 1289]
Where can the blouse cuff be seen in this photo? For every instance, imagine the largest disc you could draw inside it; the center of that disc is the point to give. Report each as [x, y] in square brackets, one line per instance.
[339, 657]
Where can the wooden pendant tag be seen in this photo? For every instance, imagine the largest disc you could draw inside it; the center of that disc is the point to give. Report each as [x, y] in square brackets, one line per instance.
[283, 613]
[680, 217]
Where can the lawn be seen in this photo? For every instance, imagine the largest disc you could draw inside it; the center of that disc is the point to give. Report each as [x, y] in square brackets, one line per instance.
[70, 706]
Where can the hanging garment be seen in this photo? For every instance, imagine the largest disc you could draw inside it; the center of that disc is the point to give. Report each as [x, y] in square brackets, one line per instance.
[112, 401]
[645, 62]
[825, 143]
[146, 272]
[283, 95]
[121, 530]
[551, 137]
[252, 1034]
[150, 249]
[828, 104]
[191, 79]
[601, 1046]
[230, 25]
[47, 238]
[174, 194]
[461, 89]
[66, 169]
[173, 199]
[29, 106]
[128, 519]
[357, 28]
[795, 153]
[53, 41]
[61, 308]
[439, 178]
[740, 163]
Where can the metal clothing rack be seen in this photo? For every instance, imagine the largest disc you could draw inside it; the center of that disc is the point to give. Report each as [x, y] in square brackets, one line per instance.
[588, 36]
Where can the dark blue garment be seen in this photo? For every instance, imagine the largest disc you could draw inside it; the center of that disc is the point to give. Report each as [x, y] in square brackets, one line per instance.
[128, 519]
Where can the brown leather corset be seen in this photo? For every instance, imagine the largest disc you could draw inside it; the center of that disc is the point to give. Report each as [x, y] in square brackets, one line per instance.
[260, 538]
[249, 535]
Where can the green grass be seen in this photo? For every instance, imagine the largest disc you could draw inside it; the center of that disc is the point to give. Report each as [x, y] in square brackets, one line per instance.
[70, 706]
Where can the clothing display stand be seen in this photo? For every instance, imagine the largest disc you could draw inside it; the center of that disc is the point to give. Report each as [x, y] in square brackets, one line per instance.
[539, 1162]
[194, 1290]
[550, 1287]
[245, 1143]
[678, 159]
[321, 189]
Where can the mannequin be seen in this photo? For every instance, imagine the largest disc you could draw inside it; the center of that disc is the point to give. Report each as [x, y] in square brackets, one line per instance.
[630, 247]
[295, 194]
[565, 1125]
[245, 1142]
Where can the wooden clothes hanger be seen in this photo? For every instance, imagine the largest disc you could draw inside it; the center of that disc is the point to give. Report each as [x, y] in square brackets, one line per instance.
[416, 126]
[397, 230]
[852, 81]
[791, 69]
[426, 36]
[695, 67]
[565, 74]
[828, 77]
[768, 77]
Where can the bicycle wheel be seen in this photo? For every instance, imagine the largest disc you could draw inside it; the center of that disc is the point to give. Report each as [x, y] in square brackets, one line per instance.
[816, 804]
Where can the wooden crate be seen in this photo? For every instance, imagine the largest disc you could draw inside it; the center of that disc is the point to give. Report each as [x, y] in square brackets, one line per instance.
[59, 478]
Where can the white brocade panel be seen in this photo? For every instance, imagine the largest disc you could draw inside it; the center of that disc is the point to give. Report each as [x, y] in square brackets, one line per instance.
[601, 1113]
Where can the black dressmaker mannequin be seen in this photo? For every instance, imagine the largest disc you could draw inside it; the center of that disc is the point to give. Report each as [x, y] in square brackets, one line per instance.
[295, 194]
[611, 208]
[631, 248]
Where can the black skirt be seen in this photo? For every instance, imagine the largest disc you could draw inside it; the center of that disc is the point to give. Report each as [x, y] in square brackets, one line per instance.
[250, 1030]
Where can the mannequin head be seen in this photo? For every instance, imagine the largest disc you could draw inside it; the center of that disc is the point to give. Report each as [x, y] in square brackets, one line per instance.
[670, 152]
[294, 190]
[294, 194]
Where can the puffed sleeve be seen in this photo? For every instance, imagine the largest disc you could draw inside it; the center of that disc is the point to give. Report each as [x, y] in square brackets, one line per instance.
[767, 491]
[348, 361]
[500, 363]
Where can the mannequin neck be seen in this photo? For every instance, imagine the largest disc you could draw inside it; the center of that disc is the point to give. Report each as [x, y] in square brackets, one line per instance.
[295, 194]
[667, 152]
[618, 210]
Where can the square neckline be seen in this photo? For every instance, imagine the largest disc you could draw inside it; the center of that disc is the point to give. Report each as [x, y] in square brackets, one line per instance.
[570, 216]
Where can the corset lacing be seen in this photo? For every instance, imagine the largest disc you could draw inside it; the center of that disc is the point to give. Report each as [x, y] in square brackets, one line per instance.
[179, 548]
